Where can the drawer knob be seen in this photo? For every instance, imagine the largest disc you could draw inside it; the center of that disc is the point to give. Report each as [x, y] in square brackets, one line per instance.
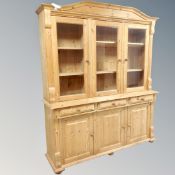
[87, 61]
[113, 104]
[129, 125]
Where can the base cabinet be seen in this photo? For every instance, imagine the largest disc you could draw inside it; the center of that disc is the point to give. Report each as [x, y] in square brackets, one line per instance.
[98, 132]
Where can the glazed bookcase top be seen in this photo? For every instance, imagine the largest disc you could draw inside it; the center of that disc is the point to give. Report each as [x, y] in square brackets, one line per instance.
[94, 49]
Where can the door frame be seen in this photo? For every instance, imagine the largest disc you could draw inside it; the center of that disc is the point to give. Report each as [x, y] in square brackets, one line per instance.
[99, 116]
[91, 137]
[92, 51]
[67, 20]
[125, 56]
[129, 139]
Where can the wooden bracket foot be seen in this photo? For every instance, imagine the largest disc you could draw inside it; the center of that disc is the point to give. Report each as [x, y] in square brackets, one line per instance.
[60, 172]
[110, 154]
[152, 140]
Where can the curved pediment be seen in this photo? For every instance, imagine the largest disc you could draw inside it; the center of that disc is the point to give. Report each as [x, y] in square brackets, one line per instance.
[107, 10]
[91, 8]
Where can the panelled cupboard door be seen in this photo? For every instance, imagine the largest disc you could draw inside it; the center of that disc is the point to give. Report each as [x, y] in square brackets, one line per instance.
[77, 137]
[136, 57]
[109, 130]
[106, 50]
[138, 123]
[71, 53]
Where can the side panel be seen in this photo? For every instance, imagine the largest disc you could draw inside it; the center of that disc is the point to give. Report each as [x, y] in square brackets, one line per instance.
[50, 132]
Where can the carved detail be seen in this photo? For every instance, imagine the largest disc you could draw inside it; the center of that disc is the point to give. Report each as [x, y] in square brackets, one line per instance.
[52, 93]
[58, 159]
[152, 28]
[47, 18]
[48, 26]
[149, 83]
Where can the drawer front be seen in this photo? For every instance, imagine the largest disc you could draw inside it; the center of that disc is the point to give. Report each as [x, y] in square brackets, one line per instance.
[111, 104]
[141, 99]
[76, 110]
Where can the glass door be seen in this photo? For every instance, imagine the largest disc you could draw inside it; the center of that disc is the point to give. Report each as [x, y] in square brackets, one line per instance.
[71, 41]
[136, 57]
[107, 46]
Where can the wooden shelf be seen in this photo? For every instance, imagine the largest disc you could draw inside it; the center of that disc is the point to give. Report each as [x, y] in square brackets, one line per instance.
[70, 48]
[105, 72]
[136, 44]
[135, 70]
[106, 42]
[70, 74]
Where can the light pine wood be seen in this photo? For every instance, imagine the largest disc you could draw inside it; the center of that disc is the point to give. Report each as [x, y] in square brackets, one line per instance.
[109, 130]
[97, 86]
[137, 124]
[77, 135]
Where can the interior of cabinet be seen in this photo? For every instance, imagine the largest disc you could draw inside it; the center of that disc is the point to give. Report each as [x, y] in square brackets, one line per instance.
[70, 55]
[106, 57]
[70, 85]
[135, 79]
[70, 61]
[136, 52]
[136, 36]
[106, 82]
[70, 36]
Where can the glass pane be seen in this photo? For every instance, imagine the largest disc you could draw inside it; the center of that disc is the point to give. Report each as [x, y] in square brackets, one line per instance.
[70, 55]
[106, 55]
[136, 35]
[135, 79]
[136, 52]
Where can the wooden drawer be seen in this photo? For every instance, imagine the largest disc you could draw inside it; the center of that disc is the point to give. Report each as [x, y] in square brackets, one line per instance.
[141, 99]
[111, 104]
[76, 110]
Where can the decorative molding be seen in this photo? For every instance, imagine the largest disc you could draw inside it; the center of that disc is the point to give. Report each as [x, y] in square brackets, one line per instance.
[109, 10]
[152, 30]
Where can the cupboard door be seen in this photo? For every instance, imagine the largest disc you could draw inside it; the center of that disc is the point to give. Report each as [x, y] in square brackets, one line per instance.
[138, 121]
[72, 57]
[136, 57]
[77, 137]
[109, 130]
[107, 50]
